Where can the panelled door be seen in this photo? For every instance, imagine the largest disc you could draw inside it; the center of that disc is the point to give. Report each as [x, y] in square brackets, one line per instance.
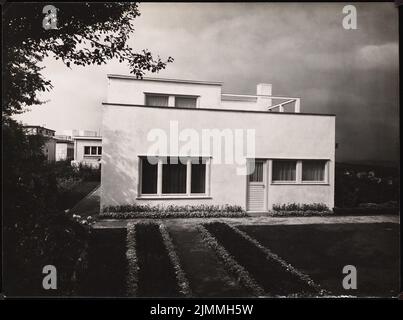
[256, 186]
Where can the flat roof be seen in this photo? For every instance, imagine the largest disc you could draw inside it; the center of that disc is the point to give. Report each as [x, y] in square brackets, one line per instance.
[219, 110]
[129, 77]
[88, 137]
[33, 126]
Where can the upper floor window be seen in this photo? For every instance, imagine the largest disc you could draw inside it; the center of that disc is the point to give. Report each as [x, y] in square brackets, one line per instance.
[170, 100]
[185, 102]
[157, 100]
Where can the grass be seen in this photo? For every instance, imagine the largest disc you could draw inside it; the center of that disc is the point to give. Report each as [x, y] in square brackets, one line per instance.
[156, 273]
[323, 250]
[271, 275]
[107, 266]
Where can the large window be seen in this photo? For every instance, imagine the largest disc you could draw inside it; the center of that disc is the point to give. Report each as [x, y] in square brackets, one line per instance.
[149, 174]
[157, 100]
[198, 175]
[313, 170]
[174, 176]
[185, 102]
[284, 170]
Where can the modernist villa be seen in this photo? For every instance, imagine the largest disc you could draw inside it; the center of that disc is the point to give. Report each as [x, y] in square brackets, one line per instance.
[287, 156]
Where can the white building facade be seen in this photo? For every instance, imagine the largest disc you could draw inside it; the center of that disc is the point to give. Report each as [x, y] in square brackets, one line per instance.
[255, 151]
[87, 150]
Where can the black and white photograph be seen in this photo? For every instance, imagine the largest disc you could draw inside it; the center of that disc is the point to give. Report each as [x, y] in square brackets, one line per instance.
[201, 150]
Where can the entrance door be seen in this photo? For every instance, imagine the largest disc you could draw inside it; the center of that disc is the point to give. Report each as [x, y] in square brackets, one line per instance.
[256, 186]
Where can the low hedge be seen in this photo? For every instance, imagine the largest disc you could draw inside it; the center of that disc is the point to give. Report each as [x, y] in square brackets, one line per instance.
[171, 211]
[357, 211]
[300, 213]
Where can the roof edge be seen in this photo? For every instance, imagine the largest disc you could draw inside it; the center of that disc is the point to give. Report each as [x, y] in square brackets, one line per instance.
[128, 77]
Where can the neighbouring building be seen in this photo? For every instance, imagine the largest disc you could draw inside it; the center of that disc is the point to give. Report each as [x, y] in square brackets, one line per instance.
[293, 159]
[64, 148]
[87, 148]
[49, 148]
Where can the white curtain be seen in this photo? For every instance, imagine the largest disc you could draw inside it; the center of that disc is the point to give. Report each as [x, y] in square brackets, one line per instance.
[284, 170]
[313, 170]
[257, 174]
[157, 100]
[185, 102]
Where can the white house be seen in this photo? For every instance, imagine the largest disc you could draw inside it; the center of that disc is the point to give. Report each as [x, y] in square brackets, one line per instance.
[64, 148]
[87, 148]
[218, 137]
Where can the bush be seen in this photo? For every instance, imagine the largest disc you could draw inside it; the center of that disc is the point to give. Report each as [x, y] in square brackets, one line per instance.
[315, 207]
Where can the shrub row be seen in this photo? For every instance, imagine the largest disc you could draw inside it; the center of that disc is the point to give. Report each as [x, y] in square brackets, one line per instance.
[172, 211]
[180, 274]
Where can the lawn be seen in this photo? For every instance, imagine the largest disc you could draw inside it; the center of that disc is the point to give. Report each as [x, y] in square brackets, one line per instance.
[322, 251]
[107, 264]
[156, 273]
[272, 276]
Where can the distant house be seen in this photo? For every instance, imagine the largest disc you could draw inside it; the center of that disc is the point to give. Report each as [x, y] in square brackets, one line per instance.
[64, 148]
[49, 148]
[87, 149]
[293, 160]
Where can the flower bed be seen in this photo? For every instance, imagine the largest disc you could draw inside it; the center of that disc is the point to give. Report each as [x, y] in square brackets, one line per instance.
[156, 274]
[161, 212]
[300, 210]
[180, 275]
[230, 263]
[273, 276]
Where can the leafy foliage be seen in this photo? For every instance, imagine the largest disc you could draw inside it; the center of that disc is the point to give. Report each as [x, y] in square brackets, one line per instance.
[86, 34]
[36, 231]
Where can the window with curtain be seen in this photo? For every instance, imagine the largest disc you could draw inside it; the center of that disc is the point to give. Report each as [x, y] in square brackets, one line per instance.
[173, 177]
[313, 170]
[93, 150]
[198, 176]
[185, 102]
[257, 174]
[156, 100]
[284, 170]
[149, 176]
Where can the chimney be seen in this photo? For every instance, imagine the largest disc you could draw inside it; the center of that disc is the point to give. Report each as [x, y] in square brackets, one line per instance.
[262, 91]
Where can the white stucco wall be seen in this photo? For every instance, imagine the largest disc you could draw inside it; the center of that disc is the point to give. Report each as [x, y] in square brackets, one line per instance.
[131, 91]
[79, 156]
[290, 136]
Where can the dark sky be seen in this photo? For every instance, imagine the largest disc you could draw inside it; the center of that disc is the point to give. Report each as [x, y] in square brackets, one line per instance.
[301, 49]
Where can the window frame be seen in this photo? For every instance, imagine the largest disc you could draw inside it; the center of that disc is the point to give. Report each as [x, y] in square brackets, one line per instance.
[188, 194]
[171, 99]
[298, 173]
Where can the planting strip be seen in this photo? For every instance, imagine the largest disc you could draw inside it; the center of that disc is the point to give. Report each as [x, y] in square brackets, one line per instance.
[272, 256]
[131, 256]
[244, 276]
[180, 274]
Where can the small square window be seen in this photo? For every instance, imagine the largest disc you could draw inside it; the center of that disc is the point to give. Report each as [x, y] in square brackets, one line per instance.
[99, 150]
[87, 150]
[93, 150]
